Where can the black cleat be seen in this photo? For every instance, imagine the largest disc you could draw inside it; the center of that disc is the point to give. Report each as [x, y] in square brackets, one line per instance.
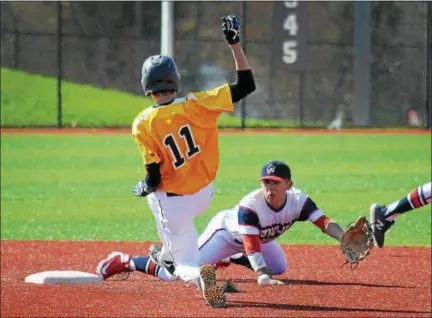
[154, 253]
[379, 224]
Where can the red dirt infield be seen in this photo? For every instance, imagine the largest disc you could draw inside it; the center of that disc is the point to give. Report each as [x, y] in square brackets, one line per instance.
[392, 282]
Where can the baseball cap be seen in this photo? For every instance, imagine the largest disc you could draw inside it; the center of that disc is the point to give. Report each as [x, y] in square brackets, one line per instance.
[275, 170]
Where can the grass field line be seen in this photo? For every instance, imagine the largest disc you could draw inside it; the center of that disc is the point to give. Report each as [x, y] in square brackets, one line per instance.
[394, 248]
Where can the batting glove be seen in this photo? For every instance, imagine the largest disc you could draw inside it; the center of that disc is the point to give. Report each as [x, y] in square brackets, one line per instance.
[141, 189]
[231, 28]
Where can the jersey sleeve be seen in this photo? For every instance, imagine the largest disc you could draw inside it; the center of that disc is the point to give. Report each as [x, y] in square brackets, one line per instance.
[309, 211]
[248, 221]
[215, 100]
[145, 144]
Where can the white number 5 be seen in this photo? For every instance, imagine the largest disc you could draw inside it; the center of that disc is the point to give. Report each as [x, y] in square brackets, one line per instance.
[289, 52]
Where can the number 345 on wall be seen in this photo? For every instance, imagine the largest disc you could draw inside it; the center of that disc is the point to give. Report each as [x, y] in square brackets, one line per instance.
[289, 32]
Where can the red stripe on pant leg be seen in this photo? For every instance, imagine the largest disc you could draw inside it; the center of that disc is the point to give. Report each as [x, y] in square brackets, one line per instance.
[415, 198]
[152, 267]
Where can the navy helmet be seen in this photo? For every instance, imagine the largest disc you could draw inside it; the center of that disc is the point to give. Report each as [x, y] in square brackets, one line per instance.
[159, 74]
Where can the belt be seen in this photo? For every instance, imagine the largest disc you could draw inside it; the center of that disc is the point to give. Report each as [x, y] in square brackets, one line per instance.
[170, 194]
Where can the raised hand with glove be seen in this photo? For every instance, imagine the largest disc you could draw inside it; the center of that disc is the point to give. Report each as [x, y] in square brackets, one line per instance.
[231, 28]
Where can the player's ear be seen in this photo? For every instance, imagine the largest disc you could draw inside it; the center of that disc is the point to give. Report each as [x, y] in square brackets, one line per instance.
[289, 184]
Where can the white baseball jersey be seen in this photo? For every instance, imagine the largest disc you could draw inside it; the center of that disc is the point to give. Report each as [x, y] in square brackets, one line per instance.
[254, 216]
[223, 236]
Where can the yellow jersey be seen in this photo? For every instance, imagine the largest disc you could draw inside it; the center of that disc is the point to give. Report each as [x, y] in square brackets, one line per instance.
[183, 138]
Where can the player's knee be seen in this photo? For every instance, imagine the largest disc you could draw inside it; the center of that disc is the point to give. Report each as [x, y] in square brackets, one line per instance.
[279, 268]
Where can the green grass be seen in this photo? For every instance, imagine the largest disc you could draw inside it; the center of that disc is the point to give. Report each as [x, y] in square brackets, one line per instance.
[79, 187]
[29, 100]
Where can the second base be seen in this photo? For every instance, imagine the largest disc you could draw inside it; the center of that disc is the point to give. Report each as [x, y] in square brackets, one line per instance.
[63, 277]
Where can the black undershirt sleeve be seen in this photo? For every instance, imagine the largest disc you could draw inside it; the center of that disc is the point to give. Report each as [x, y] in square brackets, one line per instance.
[244, 86]
[153, 177]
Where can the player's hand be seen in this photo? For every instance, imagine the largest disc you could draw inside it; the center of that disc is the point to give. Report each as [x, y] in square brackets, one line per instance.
[141, 189]
[265, 280]
[231, 28]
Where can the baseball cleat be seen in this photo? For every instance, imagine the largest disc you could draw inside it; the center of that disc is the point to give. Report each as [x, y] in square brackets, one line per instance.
[116, 263]
[379, 224]
[213, 294]
[155, 252]
[223, 264]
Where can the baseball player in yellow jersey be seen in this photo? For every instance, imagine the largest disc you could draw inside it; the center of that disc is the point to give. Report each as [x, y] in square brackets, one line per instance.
[178, 140]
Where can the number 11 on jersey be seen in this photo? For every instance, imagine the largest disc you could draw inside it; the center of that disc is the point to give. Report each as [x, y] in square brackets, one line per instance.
[170, 141]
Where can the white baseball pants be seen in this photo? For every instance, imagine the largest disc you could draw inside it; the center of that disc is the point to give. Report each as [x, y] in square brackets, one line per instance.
[174, 217]
[216, 243]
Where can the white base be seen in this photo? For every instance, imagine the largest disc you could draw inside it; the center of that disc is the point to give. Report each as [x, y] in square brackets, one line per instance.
[63, 277]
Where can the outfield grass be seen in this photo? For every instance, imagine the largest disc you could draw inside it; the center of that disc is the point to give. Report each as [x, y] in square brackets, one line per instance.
[29, 100]
[79, 187]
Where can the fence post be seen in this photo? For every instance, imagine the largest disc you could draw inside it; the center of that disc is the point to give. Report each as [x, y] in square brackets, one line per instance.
[167, 28]
[301, 98]
[243, 43]
[59, 64]
[362, 62]
[428, 104]
[16, 42]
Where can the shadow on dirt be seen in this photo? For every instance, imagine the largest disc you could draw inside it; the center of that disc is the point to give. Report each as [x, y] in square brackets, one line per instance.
[235, 304]
[320, 283]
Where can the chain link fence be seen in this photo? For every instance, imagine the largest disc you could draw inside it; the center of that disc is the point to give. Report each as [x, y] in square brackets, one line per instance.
[103, 44]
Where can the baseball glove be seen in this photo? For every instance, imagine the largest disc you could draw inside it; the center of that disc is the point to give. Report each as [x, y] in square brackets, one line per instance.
[357, 242]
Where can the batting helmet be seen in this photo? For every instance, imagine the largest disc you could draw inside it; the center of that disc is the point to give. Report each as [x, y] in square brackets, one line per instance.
[159, 73]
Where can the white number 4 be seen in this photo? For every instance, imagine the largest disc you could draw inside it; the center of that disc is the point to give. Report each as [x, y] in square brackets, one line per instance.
[290, 24]
[289, 52]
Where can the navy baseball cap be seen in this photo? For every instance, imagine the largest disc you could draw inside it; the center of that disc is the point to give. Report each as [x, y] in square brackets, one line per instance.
[275, 170]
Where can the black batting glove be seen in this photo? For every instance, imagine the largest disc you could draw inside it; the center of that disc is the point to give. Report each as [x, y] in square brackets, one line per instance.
[231, 28]
[141, 189]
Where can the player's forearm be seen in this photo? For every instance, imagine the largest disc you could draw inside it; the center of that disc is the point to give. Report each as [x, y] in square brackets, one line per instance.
[334, 230]
[240, 58]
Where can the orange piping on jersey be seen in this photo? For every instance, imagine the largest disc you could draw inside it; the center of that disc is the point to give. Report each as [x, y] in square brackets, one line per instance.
[322, 222]
[251, 243]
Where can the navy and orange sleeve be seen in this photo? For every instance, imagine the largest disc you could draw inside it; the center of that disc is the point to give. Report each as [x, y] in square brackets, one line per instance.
[251, 243]
[249, 226]
[248, 221]
[308, 208]
[322, 222]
